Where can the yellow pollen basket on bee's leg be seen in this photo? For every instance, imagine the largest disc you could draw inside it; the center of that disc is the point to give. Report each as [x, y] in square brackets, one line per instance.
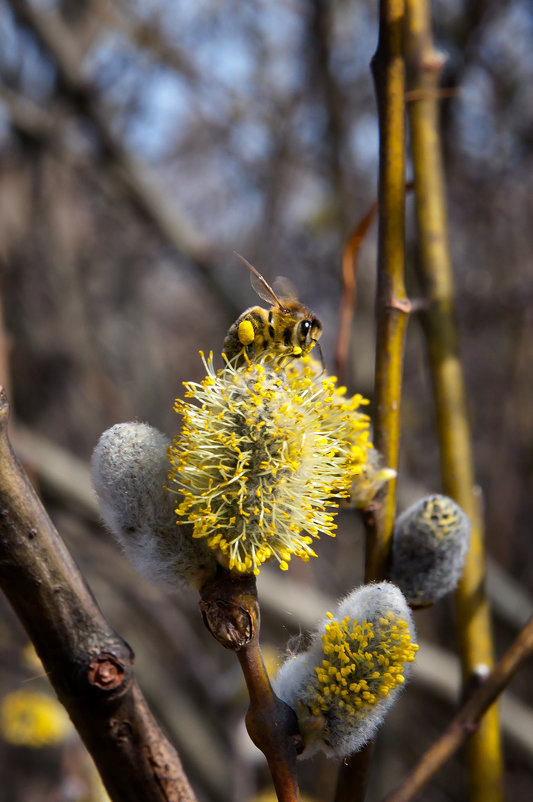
[246, 332]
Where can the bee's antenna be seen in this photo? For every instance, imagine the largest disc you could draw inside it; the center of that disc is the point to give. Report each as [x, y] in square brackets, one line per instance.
[261, 279]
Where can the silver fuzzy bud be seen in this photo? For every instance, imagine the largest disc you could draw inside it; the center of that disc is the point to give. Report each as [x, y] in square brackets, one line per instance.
[130, 470]
[430, 544]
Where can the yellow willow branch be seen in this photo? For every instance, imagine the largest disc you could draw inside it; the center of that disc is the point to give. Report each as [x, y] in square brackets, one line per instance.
[392, 303]
[424, 63]
[392, 308]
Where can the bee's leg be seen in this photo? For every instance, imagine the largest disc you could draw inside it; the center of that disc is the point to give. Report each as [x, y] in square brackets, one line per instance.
[284, 359]
[321, 355]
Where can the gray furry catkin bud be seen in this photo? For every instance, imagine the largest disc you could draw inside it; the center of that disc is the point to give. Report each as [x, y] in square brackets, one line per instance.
[430, 544]
[129, 470]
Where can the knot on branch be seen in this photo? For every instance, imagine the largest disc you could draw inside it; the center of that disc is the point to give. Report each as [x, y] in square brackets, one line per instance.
[400, 304]
[273, 728]
[107, 672]
[230, 611]
[228, 622]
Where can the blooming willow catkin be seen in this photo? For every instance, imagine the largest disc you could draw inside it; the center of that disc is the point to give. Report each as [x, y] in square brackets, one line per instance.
[262, 459]
[343, 685]
[129, 470]
[344, 420]
[33, 719]
[430, 544]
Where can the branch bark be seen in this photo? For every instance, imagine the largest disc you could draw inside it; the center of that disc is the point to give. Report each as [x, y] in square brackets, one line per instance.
[392, 305]
[230, 612]
[88, 664]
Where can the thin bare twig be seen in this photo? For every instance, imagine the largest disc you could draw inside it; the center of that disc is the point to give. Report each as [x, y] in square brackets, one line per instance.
[465, 722]
[89, 666]
[349, 289]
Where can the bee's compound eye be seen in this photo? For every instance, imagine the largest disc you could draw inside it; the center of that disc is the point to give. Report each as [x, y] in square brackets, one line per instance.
[305, 328]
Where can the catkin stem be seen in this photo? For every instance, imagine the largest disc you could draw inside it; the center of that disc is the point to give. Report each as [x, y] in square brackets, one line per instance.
[231, 613]
[271, 724]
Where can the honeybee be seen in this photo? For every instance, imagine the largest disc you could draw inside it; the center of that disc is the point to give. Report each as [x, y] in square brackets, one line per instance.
[287, 329]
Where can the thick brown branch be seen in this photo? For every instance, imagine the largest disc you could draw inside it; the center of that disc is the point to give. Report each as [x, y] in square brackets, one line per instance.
[89, 666]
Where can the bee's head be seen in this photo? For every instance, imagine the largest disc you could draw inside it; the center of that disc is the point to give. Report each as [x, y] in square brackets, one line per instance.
[308, 332]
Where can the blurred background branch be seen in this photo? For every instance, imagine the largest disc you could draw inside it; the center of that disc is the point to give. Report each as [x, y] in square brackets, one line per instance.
[148, 193]
[467, 719]
[457, 466]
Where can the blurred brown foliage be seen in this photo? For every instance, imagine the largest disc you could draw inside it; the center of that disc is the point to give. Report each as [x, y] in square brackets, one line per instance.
[140, 144]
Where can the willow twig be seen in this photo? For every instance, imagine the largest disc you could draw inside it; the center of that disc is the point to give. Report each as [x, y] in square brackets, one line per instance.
[465, 722]
[485, 757]
[231, 613]
[392, 311]
[271, 724]
[349, 289]
[89, 666]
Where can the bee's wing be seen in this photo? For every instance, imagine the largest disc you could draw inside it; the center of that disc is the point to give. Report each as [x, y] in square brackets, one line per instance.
[263, 289]
[285, 289]
[260, 284]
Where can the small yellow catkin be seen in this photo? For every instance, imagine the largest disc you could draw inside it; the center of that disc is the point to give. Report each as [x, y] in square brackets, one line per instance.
[357, 663]
[33, 719]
